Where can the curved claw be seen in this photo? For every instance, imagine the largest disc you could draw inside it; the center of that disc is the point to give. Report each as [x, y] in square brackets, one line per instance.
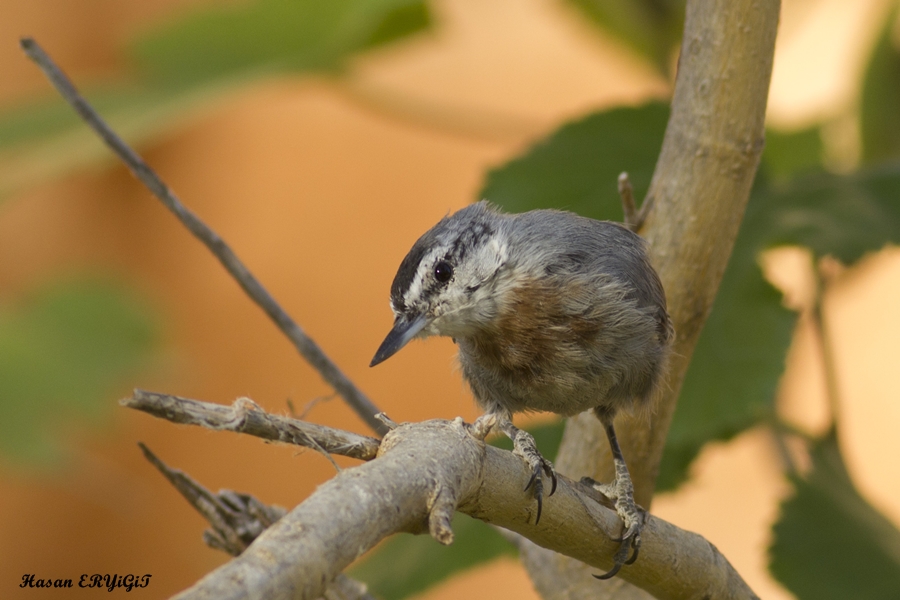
[618, 561]
[636, 546]
[633, 532]
[540, 501]
[610, 574]
[545, 466]
[552, 474]
[538, 484]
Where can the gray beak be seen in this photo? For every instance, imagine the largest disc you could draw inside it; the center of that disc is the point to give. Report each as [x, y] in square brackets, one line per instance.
[402, 332]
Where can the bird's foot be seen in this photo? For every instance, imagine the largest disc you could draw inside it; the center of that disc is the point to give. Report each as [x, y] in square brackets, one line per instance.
[621, 492]
[524, 446]
[483, 426]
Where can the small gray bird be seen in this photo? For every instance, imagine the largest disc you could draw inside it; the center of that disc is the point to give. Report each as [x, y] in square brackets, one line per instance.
[551, 312]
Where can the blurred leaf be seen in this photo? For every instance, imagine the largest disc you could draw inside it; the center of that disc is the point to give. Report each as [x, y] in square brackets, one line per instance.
[44, 140]
[407, 19]
[739, 358]
[829, 542]
[578, 166]
[196, 62]
[652, 28]
[879, 117]
[274, 35]
[59, 355]
[790, 154]
[740, 354]
[408, 564]
[844, 216]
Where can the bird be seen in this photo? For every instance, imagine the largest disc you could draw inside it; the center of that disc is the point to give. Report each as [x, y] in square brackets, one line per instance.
[550, 311]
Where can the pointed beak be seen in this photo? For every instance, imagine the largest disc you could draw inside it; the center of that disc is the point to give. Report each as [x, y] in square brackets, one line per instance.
[403, 331]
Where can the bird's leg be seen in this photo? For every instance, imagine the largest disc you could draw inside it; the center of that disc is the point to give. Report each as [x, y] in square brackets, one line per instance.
[524, 446]
[621, 491]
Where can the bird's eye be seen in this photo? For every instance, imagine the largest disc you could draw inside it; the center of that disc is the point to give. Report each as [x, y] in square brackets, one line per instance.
[443, 271]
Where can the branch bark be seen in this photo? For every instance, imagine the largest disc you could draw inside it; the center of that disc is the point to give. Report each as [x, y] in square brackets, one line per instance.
[245, 416]
[422, 474]
[699, 191]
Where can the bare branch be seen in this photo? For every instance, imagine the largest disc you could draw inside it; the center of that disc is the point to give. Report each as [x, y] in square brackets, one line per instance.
[238, 519]
[699, 190]
[308, 348]
[423, 472]
[245, 416]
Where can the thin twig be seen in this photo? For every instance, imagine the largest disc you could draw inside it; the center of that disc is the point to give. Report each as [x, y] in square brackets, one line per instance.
[237, 519]
[829, 365]
[304, 344]
[245, 416]
[633, 218]
[626, 193]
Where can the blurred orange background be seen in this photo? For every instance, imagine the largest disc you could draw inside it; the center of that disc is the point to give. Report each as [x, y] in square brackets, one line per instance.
[321, 186]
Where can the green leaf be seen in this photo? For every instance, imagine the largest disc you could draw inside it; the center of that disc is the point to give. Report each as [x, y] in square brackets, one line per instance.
[740, 354]
[408, 564]
[731, 382]
[60, 354]
[738, 360]
[844, 216]
[730, 385]
[829, 542]
[741, 351]
[879, 118]
[651, 28]
[196, 62]
[577, 167]
[793, 153]
[267, 35]
[45, 139]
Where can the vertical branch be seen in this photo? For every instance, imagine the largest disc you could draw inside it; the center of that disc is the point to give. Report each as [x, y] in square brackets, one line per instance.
[699, 190]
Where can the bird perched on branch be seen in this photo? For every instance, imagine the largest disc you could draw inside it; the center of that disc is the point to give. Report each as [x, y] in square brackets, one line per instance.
[551, 312]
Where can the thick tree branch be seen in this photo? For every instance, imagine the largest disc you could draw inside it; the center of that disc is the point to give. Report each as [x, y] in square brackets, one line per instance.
[699, 190]
[304, 344]
[423, 473]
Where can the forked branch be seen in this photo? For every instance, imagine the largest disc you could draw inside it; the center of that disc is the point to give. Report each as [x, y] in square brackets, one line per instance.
[424, 472]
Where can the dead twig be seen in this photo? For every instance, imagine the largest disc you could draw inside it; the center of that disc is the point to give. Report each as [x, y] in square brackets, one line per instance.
[308, 348]
[245, 416]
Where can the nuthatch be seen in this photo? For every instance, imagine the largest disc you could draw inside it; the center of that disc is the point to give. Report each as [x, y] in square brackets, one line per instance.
[551, 312]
